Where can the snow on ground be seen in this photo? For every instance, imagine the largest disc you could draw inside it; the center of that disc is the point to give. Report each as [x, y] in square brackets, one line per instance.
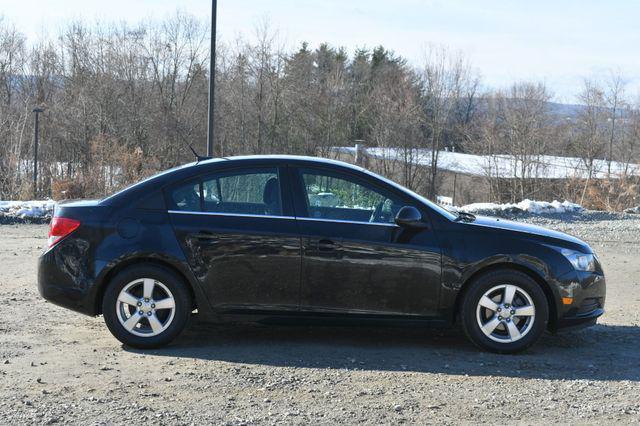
[34, 209]
[42, 210]
[525, 206]
[502, 166]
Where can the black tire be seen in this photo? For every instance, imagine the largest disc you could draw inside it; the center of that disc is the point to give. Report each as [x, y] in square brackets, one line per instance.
[486, 282]
[180, 293]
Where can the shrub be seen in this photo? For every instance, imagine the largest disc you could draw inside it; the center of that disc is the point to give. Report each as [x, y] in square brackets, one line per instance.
[67, 189]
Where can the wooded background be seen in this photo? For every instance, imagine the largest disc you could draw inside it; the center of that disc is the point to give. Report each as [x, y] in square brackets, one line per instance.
[122, 102]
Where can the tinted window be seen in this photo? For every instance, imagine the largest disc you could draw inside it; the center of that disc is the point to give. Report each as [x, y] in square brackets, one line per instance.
[243, 192]
[186, 197]
[255, 191]
[338, 197]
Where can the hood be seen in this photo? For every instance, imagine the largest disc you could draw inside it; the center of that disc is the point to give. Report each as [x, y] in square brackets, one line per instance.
[538, 232]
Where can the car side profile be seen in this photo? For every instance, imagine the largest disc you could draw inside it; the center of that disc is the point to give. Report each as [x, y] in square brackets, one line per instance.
[277, 238]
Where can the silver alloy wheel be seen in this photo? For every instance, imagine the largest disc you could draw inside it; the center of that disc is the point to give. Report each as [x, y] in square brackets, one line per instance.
[505, 313]
[145, 307]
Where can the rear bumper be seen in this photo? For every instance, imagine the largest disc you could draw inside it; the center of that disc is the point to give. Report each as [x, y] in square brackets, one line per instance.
[588, 292]
[64, 282]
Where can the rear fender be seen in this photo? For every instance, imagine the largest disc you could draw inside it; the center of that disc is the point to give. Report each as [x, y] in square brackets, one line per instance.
[141, 235]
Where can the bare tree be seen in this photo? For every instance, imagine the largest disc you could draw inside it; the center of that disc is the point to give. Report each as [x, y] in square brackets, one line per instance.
[446, 78]
[614, 101]
[123, 101]
[590, 132]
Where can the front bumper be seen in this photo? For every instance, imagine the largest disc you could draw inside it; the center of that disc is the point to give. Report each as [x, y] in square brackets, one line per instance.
[587, 290]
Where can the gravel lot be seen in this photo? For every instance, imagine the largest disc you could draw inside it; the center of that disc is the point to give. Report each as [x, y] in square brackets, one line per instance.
[60, 367]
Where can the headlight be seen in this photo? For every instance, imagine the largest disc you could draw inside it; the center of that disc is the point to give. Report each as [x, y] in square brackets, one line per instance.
[580, 261]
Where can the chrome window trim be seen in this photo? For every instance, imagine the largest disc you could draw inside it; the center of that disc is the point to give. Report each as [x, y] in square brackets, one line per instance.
[230, 214]
[318, 219]
[311, 219]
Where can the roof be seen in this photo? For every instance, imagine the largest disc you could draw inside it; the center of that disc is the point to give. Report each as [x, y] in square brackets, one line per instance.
[187, 171]
[503, 166]
[282, 157]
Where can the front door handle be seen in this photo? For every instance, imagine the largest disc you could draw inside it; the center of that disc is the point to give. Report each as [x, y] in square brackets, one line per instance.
[326, 245]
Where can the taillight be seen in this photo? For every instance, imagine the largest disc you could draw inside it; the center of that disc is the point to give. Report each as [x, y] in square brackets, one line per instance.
[61, 227]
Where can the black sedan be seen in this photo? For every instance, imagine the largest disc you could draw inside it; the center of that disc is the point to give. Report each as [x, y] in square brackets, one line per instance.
[268, 238]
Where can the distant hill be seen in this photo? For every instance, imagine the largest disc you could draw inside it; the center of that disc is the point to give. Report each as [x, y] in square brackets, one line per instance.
[565, 110]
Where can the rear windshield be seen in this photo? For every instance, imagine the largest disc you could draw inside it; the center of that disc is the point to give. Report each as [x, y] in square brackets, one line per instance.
[143, 181]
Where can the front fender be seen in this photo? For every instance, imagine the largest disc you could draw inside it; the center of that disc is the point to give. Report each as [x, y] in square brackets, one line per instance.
[461, 263]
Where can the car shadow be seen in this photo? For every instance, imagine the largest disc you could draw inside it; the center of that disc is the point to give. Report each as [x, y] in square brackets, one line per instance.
[602, 352]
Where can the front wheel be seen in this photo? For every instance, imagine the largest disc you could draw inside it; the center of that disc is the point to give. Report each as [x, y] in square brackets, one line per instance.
[146, 306]
[504, 311]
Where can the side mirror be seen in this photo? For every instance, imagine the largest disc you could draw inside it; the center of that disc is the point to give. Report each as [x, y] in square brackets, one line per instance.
[410, 217]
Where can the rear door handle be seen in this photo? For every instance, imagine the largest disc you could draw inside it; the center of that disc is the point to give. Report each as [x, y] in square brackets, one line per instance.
[326, 245]
[205, 237]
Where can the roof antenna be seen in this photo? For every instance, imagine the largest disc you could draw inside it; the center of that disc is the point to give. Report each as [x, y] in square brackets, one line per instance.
[198, 156]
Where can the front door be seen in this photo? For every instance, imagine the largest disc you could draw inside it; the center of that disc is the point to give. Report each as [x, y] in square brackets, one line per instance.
[240, 238]
[356, 260]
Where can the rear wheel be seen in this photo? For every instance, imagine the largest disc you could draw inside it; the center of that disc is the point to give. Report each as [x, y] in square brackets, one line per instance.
[504, 311]
[146, 306]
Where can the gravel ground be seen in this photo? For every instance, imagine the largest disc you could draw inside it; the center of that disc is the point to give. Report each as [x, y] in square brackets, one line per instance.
[60, 367]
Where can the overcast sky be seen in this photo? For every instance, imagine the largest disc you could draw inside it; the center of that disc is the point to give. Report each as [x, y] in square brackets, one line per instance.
[560, 42]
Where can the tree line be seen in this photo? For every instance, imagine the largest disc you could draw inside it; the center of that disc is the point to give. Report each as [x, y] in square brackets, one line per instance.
[124, 101]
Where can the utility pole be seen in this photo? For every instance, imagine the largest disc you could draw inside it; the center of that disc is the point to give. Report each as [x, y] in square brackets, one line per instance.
[37, 111]
[212, 78]
[359, 152]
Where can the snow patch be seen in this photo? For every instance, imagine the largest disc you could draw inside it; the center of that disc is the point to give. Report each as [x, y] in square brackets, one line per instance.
[503, 166]
[525, 206]
[34, 209]
[633, 210]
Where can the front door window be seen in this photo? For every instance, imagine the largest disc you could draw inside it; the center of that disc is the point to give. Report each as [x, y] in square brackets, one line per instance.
[337, 197]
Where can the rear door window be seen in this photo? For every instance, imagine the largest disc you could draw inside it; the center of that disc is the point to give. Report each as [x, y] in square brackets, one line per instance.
[254, 192]
[185, 197]
[248, 191]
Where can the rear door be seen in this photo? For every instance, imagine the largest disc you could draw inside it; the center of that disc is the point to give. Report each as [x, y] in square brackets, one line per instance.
[356, 260]
[238, 232]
